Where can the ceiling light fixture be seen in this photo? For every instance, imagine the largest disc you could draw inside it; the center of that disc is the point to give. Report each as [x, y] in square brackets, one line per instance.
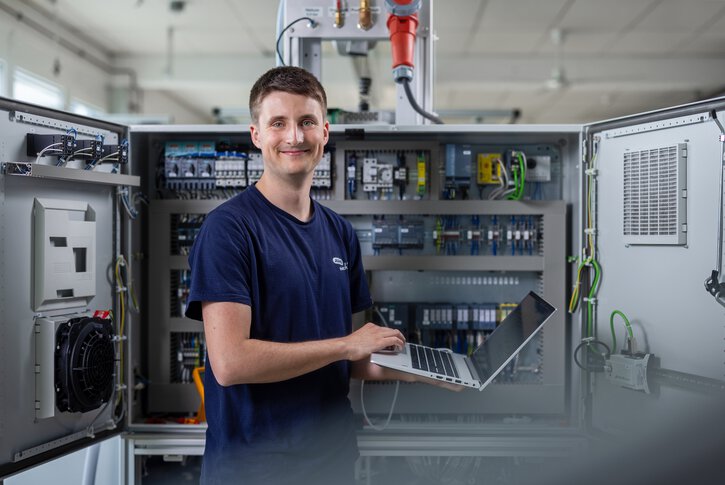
[558, 78]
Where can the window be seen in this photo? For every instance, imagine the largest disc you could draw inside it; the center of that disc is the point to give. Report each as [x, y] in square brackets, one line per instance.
[34, 89]
[85, 109]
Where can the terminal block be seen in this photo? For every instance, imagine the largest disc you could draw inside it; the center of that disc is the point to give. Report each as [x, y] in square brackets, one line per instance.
[231, 171]
[462, 317]
[483, 317]
[116, 153]
[255, 167]
[447, 235]
[50, 145]
[434, 317]
[89, 149]
[322, 176]
[504, 309]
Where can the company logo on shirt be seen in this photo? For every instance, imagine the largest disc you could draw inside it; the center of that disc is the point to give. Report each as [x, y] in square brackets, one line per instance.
[342, 264]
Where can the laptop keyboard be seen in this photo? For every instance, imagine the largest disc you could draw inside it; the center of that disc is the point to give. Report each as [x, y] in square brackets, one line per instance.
[432, 360]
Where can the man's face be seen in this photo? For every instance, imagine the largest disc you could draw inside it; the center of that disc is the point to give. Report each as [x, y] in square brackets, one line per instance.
[291, 132]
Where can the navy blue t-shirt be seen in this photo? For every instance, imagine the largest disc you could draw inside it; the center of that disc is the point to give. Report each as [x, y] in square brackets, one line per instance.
[303, 281]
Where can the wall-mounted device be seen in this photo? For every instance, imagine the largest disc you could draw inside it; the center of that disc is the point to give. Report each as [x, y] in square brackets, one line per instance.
[64, 254]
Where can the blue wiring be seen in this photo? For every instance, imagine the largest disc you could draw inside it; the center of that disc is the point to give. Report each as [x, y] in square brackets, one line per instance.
[537, 195]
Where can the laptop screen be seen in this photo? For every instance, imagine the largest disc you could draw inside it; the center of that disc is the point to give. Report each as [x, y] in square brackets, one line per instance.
[511, 335]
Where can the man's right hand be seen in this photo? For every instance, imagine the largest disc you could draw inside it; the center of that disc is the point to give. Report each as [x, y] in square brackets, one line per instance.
[372, 338]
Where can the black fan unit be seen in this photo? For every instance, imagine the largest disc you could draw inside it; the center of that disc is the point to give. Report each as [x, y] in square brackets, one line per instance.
[84, 364]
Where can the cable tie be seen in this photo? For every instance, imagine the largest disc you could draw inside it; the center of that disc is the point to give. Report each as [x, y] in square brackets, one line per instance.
[590, 231]
[121, 289]
[722, 137]
[592, 300]
[591, 171]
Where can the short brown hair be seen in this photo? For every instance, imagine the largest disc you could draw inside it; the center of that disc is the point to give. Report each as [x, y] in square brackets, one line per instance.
[289, 79]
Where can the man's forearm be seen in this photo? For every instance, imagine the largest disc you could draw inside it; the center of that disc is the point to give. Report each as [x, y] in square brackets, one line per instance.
[260, 361]
[366, 370]
[238, 359]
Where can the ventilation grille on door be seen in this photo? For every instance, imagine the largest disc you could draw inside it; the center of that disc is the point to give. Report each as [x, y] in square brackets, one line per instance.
[654, 195]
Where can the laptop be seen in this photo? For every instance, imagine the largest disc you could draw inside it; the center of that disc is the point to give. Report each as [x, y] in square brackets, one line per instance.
[489, 358]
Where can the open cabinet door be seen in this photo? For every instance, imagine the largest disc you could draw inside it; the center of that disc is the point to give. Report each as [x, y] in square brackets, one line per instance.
[652, 348]
[63, 297]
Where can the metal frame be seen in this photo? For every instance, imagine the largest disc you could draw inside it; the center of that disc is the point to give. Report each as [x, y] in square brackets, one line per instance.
[304, 49]
[22, 169]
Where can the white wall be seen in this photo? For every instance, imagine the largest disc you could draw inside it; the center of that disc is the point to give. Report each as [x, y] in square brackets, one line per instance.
[160, 102]
[21, 46]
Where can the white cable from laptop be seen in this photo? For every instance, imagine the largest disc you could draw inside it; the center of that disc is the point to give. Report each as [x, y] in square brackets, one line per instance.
[362, 388]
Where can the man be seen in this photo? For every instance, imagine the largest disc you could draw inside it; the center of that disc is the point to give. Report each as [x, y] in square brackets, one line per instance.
[277, 308]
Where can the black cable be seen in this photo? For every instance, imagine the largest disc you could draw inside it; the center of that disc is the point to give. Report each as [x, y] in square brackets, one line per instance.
[281, 34]
[588, 367]
[414, 104]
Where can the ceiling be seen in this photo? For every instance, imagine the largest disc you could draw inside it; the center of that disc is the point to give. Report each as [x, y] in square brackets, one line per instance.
[557, 61]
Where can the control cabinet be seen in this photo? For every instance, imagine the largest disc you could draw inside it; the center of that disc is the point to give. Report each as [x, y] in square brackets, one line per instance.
[456, 224]
[452, 260]
[65, 292]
